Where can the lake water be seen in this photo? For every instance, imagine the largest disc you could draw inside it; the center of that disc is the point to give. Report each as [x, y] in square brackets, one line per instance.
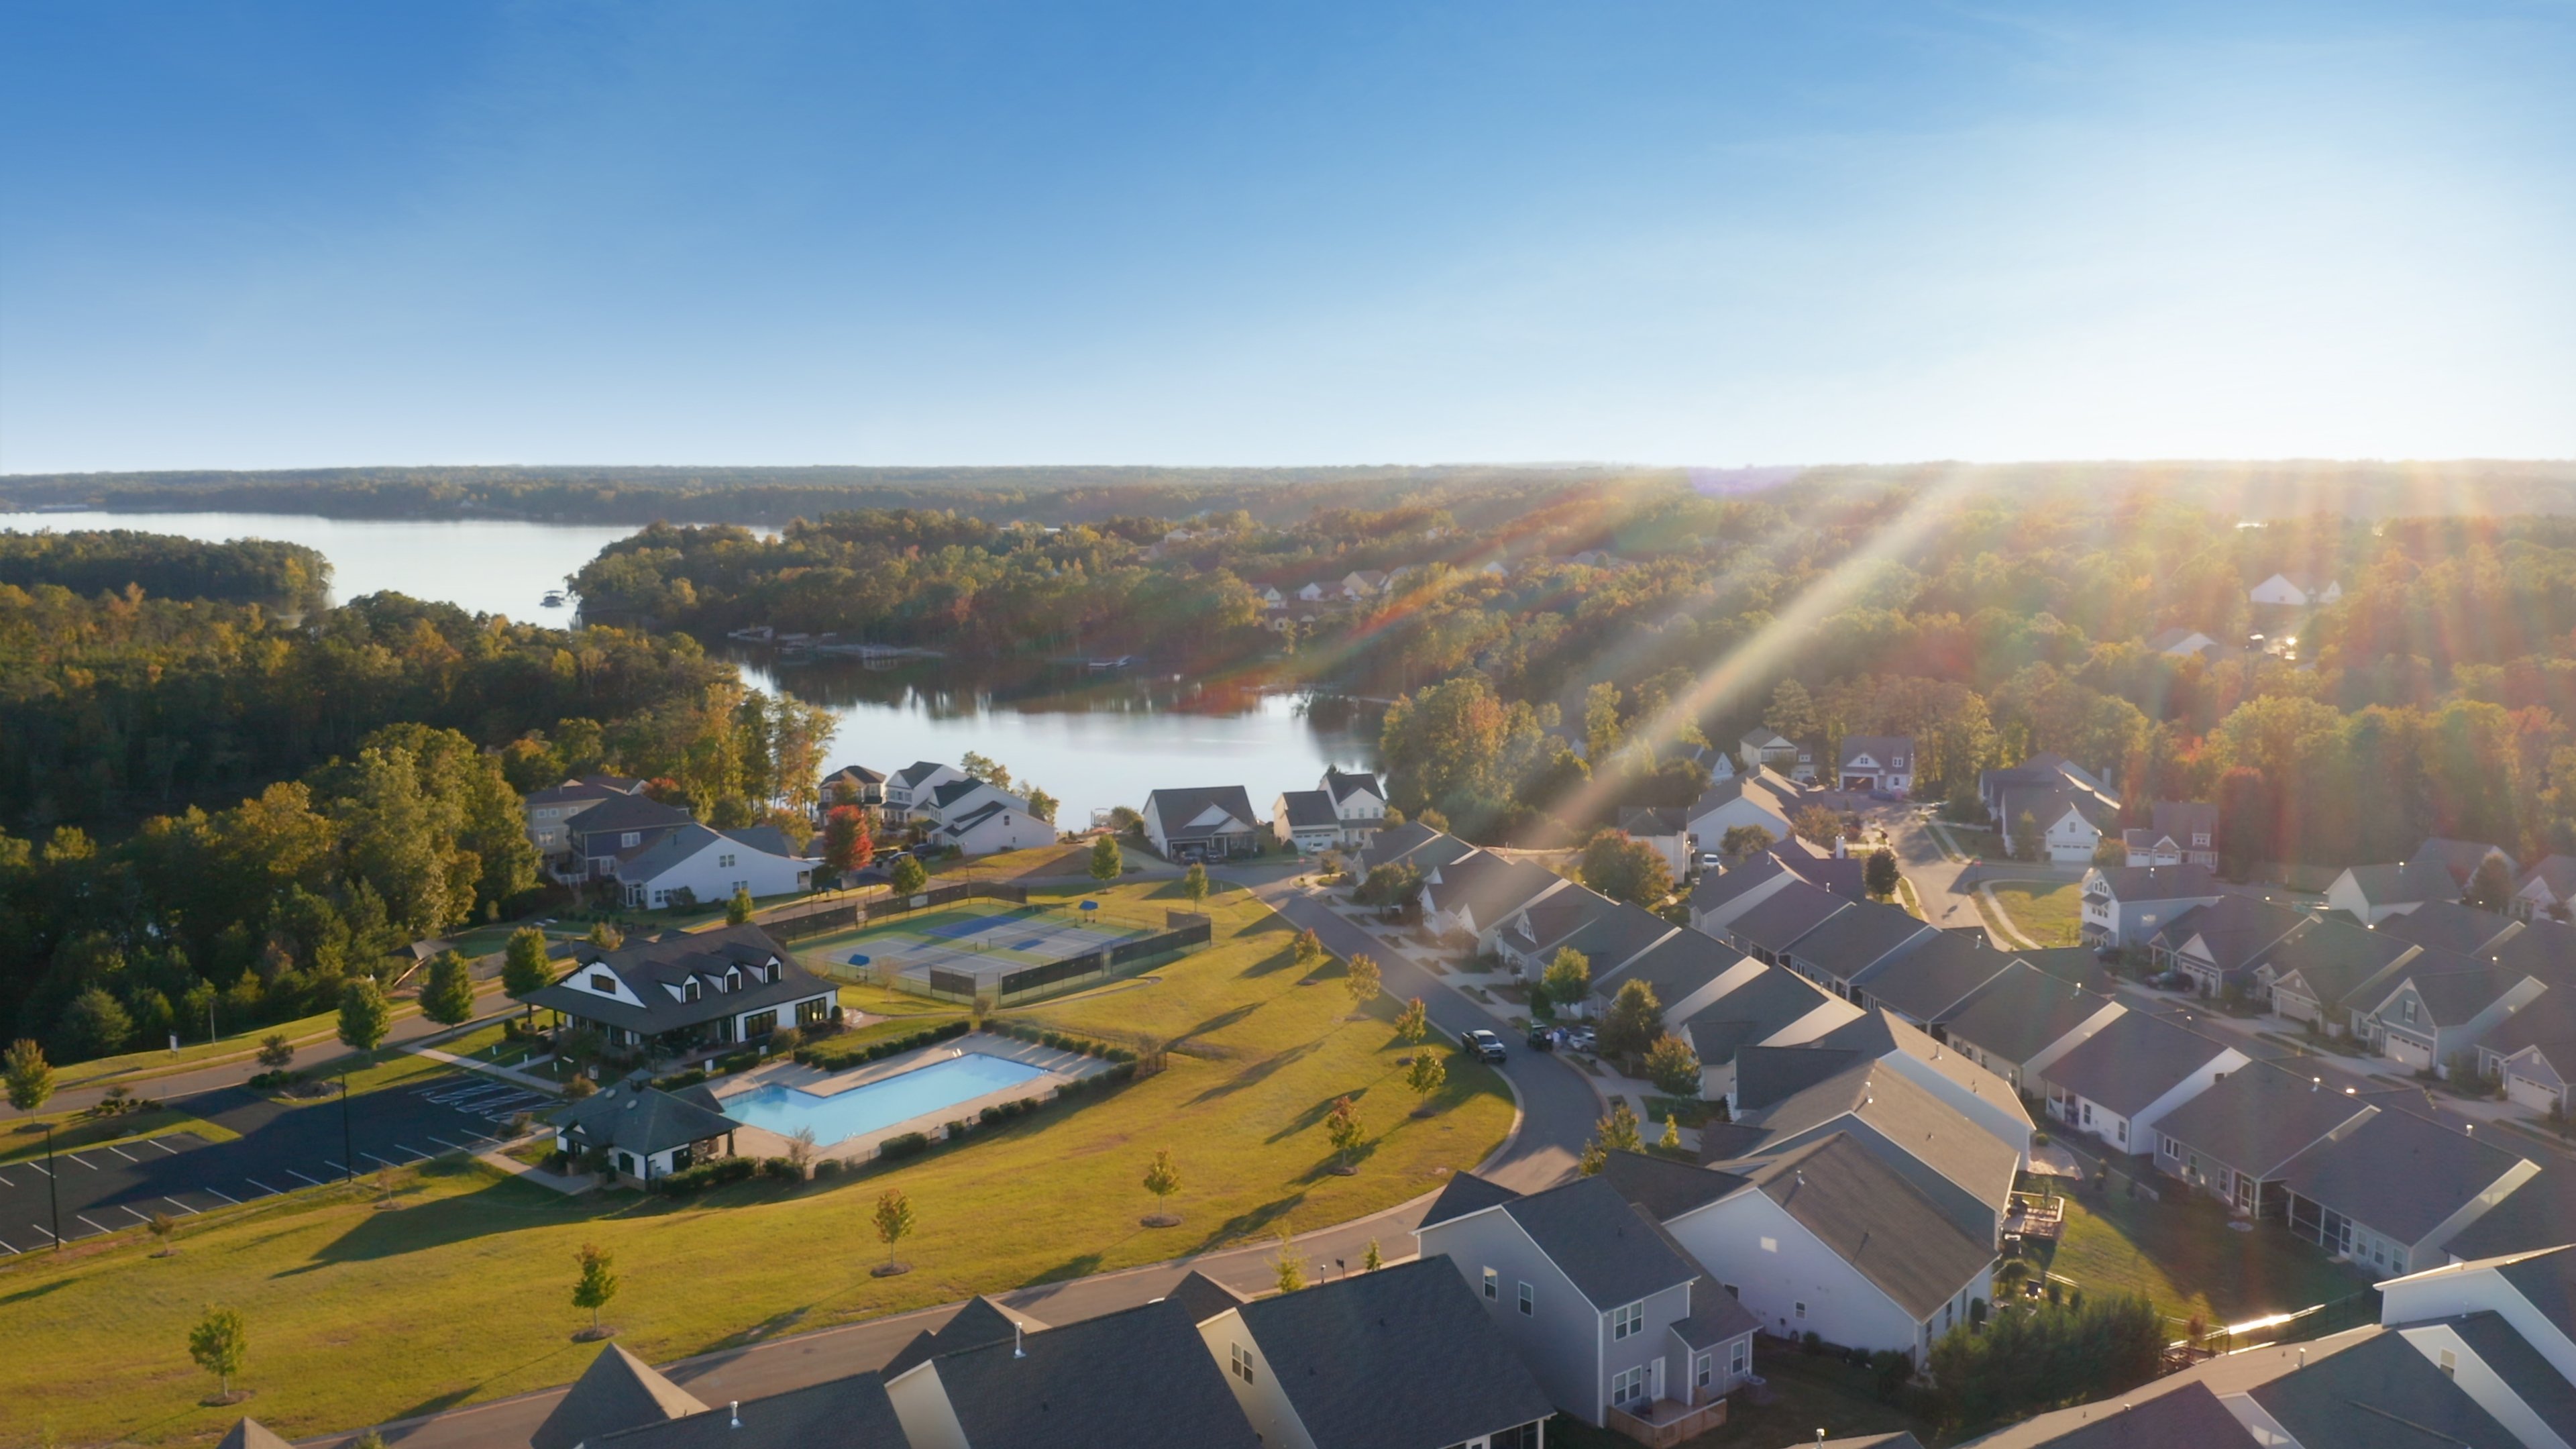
[899, 1098]
[1091, 741]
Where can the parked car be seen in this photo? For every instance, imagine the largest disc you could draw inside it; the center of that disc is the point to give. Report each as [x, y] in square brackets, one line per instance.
[1543, 1038]
[1484, 1044]
[1581, 1039]
[1710, 860]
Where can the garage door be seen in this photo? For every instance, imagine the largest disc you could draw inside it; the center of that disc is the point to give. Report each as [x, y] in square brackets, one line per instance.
[2526, 1093]
[2407, 1053]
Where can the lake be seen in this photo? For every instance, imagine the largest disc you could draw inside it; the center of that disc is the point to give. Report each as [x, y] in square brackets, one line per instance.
[1092, 741]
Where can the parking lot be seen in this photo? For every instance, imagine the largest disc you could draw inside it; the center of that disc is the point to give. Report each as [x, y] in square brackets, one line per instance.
[281, 1148]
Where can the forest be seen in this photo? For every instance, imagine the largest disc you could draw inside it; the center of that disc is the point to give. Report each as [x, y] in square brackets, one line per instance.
[282, 576]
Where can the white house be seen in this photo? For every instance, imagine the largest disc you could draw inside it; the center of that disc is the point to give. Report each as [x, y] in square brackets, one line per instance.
[1359, 803]
[2432, 1016]
[2126, 905]
[2070, 820]
[1315, 593]
[690, 991]
[1304, 820]
[2122, 1080]
[1363, 584]
[913, 785]
[1878, 762]
[2295, 590]
[2534, 1053]
[1756, 797]
[1666, 828]
[703, 866]
[646, 1133]
[993, 822]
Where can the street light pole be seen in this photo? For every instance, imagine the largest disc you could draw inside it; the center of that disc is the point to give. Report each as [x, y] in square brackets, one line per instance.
[348, 1145]
[53, 1191]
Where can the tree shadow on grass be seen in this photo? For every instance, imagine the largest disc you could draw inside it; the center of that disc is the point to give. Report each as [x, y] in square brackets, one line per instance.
[39, 1291]
[1358, 1159]
[1259, 1222]
[1080, 1265]
[1214, 1024]
[1258, 1072]
[1279, 960]
[1323, 1108]
[577, 1355]
[775, 1324]
[418, 1226]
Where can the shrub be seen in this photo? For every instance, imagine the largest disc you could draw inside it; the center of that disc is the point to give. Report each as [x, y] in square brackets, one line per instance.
[909, 1144]
[714, 1172]
[828, 1167]
[679, 1080]
[781, 1168]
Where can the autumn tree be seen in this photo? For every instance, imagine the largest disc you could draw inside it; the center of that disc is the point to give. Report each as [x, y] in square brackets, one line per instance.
[1792, 711]
[1361, 979]
[1743, 840]
[1413, 1023]
[1626, 869]
[849, 839]
[2490, 886]
[1162, 1179]
[893, 1218]
[906, 875]
[1289, 1262]
[1428, 1074]
[29, 1076]
[1194, 883]
[1673, 1067]
[1343, 1127]
[1568, 977]
[525, 971]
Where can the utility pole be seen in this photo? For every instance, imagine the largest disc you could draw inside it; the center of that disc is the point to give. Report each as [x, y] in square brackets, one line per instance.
[53, 1189]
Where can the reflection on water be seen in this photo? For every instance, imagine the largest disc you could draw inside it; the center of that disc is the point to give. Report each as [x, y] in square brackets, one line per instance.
[1091, 740]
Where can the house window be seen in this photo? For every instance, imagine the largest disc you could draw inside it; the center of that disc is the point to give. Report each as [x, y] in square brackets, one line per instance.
[1627, 1321]
[759, 1023]
[1703, 1370]
[1529, 1300]
[1629, 1387]
[2409, 1010]
[630, 840]
[814, 1012]
[1739, 1360]
[602, 981]
[1242, 1363]
[696, 989]
[1493, 1285]
[1802, 1310]
[733, 979]
[2450, 1364]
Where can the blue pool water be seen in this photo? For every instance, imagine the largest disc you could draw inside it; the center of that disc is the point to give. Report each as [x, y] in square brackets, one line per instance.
[844, 1115]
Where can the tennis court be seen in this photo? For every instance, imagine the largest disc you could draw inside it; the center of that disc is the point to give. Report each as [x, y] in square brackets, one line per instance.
[996, 949]
[1030, 935]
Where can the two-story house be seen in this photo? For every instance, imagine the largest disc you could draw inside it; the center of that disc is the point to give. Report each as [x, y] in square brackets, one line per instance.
[1882, 763]
[698, 865]
[606, 835]
[1770, 749]
[1751, 1005]
[2182, 832]
[1359, 802]
[2127, 905]
[912, 785]
[549, 810]
[689, 992]
[854, 785]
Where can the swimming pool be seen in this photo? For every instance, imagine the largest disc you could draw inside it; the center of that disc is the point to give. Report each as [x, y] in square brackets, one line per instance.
[844, 1115]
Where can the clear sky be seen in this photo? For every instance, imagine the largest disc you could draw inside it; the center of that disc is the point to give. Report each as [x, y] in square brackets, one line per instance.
[272, 234]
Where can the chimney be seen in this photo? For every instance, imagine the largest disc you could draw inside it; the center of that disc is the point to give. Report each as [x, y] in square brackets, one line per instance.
[733, 1413]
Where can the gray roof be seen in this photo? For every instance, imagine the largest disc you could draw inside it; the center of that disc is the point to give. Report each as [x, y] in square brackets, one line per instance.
[1717, 887]
[1790, 912]
[1715, 1318]
[1965, 1169]
[2460, 858]
[1761, 1006]
[2182, 819]
[1856, 938]
[2128, 1064]
[1310, 810]
[1175, 809]
[1490, 887]
[855, 774]
[2399, 1174]
[1465, 1193]
[918, 771]
[1934, 974]
[1881, 1034]
[628, 812]
[1679, 964]
[2235, 931]
[2548, 1022]
[1664, 1188]
[2189, 1417]
[1611, 1253]
[2452, 998]
[1401, 1358]
[1141, 1377]
[2020, 1012]
[2543, 947]
[1416, 844]
[2136, 883]
[2383, 1394]
[675, 848]
[642, 1120]
[2397, 883]
[2449, 926]
[1202, 1297]
[955, 790]
[2539, 1214]
[1611, 935]
[852, 1410]
[618, 1391]
[673, 958]
[2558, 872]
[1768, 1074]
[1882, 748]
[2335, 957]
[571, 790]
[2547, 1281]
[2533, 1378]
[1870, 1216]
[2048, 804]
[1342, 784]
[250, 1434]
[2258, 1117]
[1647, 820]
[981, 1321]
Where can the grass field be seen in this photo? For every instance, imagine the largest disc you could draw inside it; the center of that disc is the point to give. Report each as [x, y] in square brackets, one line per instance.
[2050, 915]
[1812, 1392]
[2182, 1257]
[358, 1316]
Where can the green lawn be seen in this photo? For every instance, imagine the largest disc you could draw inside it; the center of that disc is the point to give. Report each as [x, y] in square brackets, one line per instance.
[1976, 843]
[2183, 1257]
[472, 1277]
[1809, 1394]
[2050, 915]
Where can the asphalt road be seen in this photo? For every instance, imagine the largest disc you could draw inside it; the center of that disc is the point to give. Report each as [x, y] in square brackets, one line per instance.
[280, 1148]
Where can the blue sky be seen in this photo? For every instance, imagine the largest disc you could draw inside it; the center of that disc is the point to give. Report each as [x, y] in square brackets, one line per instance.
[277, 235]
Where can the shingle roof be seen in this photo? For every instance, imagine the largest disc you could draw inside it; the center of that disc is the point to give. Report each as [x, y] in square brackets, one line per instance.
[2189, 1417]
[642, 1120]
[1649, 820]
[2460, 858]
[981, 1321]
[953, 791]
[1932, 975]
[1612, 935]
[1790, 912]
[628, 812]
[2383, 1394]
[1309, 810]
[649, 967]
[1665, 1188]
[2234, 931]
[618, 1391]
[1908, 1118]
[2397, 883]
[2021, 1012]
[2258, 1117]
[1415, 844]
[855, 774]
[1400, 1358]
[676, 848]
[250, 1434]
[1883, 748]
[1341, 784]
[571, 790]
[1201, 809]
[2539, 1214]
[2512, 1358]
[2399, 1174]
[2449, 926]
[2547, 1281]
[1755, 1009]
[852, 1410]
[2128, 1064]
[1140, 1377]
[1715, 1317]
[1765, 1075]
[2543, 947]
[1490, 888]
[2547, 1022]
[2335, 958]
[1612, 1254]
[1881, 1034]
[1715, 888]
[1855, 938]
[2182, 819]
[1202, 1297]
[918, 771]
[1466, 1193]
[2134, 883]
[1867, 1214]
[1681, 963]
[2557, 872]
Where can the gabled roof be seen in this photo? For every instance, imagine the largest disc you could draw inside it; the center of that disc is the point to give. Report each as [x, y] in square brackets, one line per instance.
[1932, 975]
[961, 825]
[2046, 804]
[1855, 938]
[1908, 1118]
[2021, 1012]
[2543, 947]
[2539, 1214]
[1416, 844]
[2336, 957]
[953, 791]
[650, 968]
[1613, 934]
[1140, 1377]
[1203, 808]
[1651, 820]
[1610, 1252]
[852, 1410]
[2461, 858]
[2556, 872]
[2155, 882]
[250, 1434]
[2399, 883]
[980, 1322]
[2383, 1394]
[1682, 962]
[1765, 1075]
[2400, 1174]
[1466, 1193]
[570, 790]
[2189, 1417]
[2233, 931]
[1881, 1034]
[2546, 1281]
[2547, 1022]
[2453, 997]
[681, 845]
[855, 774]
[2131, 1062]
[1400, 1358]
[1752, 1011]
[1309, 810]
[1883, 748]
[2510, 1356]
[2258, 1117]
[2441, 925]
[1342, 784]
[628, 812]
[1787, 914]
[1715, 1318]
[1491, 888]
[1717, 887]
[1664, 1188]
[1870, 1216]
[642, 1120]
[918, 771]
[1202, 1297]
[618, 1391]
[2182, 819]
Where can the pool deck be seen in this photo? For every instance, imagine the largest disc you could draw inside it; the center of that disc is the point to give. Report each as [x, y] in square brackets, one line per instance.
[1059, 1066]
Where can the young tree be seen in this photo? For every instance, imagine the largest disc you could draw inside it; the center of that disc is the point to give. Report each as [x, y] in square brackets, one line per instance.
[1617, 1132]
[605, 936]
[1372, 1260]
[893, 1221]
[1107, 864]
[738, 907]
[1309, 949]
[1162, 1179]
[1592, 1159]
[907, 874]
[1428, 1074]
[1194, 883]
[1413, 1023]
[161, 1226]
[1360, 978]
[30, 1078]
[1634, 1020]
[1672, 1131]
[849, 839]
[598, 1284]
[2108, 852]
[1743, 840]
[219, 1343]
[1291, 1264]
[1568, 978]
[1818, 824]
[524, 969]
[276, 1053]
[1880, 874]
[365, 1015]
[447, 997]
[800, 1148]
[1345, 1130]
[2025, 837]
[1672, 1066]
[2491, 886]
[95, 1025]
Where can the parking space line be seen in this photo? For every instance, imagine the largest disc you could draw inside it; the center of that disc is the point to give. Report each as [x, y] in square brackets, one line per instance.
[156, 1142]
[83, 1161]
[443, 1142]
[263, 1187]
[379, 1159]
[48, 1232]
[121, 1152]
[300, 1177]
[5, 1243]
[407, 1147]
[93, 1222]
[4, 1182]
[40, 1167]
[131, 1213]
[183, 1207]
[219, 1192]
[335, 1166]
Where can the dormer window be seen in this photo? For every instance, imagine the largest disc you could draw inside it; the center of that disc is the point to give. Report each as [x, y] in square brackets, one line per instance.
[602, 981]
[630, 839]
[696, 989]
[733, 979]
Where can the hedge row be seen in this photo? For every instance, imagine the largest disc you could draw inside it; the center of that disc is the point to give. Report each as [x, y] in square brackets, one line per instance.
[1001, 1112]
[1061, 1041]
[715, 1172]
[841, 1056]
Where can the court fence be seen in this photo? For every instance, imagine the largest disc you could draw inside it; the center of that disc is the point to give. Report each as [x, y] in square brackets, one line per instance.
[1015, 986]
[828, 919]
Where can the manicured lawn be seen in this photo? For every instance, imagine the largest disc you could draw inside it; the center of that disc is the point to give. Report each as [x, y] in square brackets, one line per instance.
[2183, 1257]
[1810, 1394]
[358, 1316]
[1975, 843]
[2050, 915]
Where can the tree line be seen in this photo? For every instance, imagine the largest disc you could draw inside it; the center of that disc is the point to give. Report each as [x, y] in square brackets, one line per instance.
[286, 576]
